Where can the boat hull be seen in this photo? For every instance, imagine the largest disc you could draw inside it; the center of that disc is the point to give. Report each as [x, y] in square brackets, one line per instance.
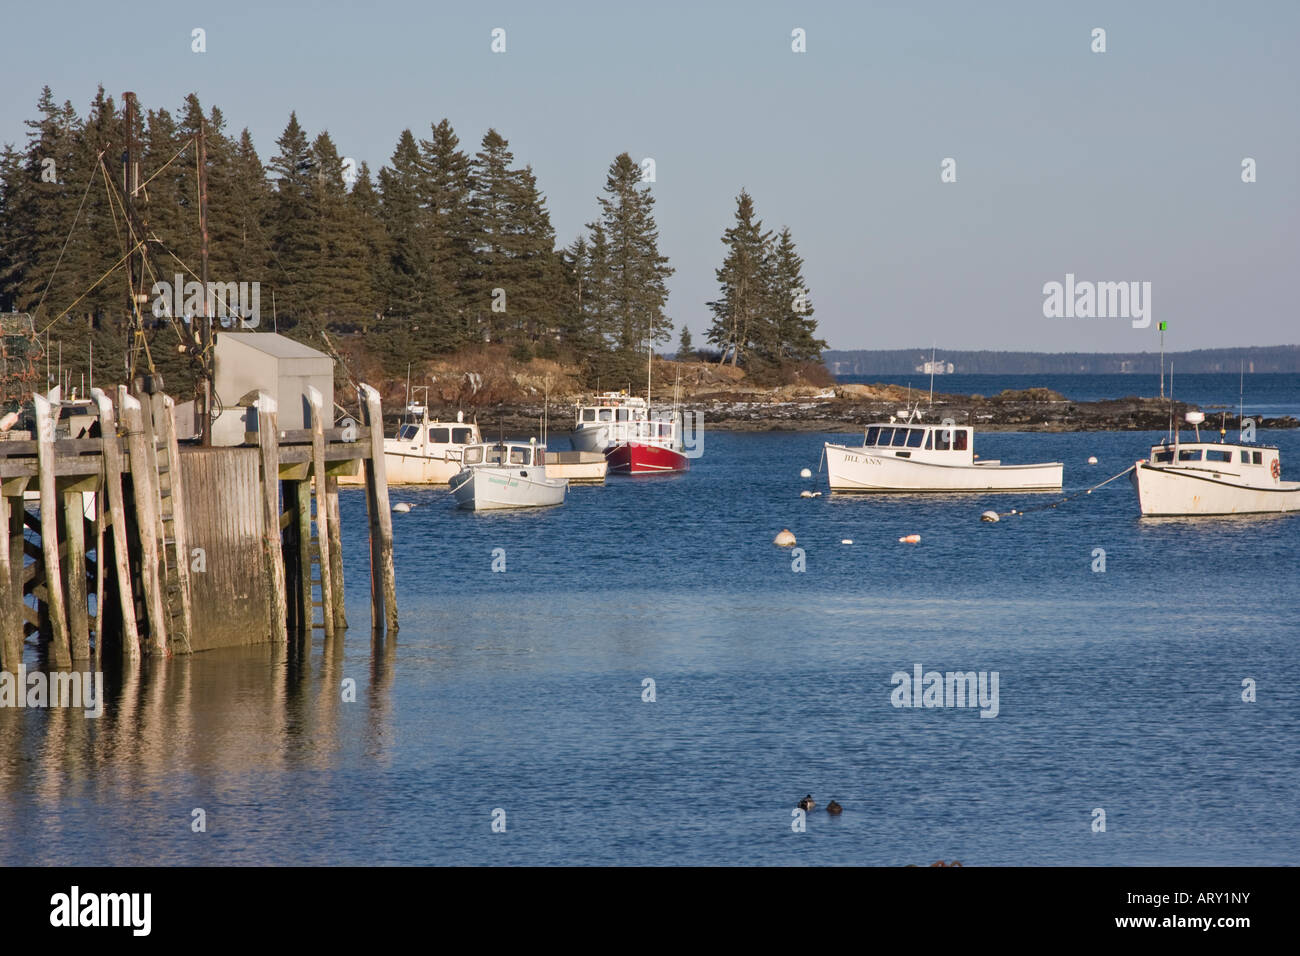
[1179, 493]
[411, 469]
[500, 489]
[854, 470]
[634, 458]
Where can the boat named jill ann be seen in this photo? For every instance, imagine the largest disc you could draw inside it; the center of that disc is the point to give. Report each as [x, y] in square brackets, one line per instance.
[506, 474]
[909, 456]
[1186, 479]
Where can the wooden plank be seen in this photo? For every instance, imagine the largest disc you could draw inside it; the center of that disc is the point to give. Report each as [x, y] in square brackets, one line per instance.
[317, 403]
[167, 424]
[99, 580]
[11, 599]
[296, 454]
[60, 646]
[74, 528]
[117, 522]
[383, 583]
[271, 549]
[336, 551]
[145, 496]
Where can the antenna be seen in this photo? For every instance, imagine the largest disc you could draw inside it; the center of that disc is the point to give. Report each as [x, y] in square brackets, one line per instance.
[1241, 402]
[932, 375]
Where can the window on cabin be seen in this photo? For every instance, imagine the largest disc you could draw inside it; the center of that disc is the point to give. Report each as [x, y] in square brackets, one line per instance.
[1189, 454]
[886, 436]
[409, 433]
[900, 436]
[872, 434]
[622, 414]
[1259, 458]
[1164, 456]
[915, 436]
[462, 436]
[1218, 454]
[943, 439]
[606, 414]
[473, 455]
[960, 440]
[518, 456]
[588, 414]
[493, 456]
[439, 435]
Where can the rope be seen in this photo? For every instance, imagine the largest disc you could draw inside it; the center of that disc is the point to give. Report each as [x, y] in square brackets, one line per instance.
[1085, 491]
[113, 269]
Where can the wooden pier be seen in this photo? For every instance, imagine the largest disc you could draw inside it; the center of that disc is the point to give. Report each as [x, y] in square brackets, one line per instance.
[139, 545]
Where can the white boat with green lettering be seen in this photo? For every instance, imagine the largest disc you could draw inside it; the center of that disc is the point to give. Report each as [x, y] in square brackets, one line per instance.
[499, 475]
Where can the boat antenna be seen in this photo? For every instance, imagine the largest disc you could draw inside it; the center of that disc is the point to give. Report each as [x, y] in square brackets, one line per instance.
[1171, 401]
[932, 375]
[408, 386]
[1241, 402]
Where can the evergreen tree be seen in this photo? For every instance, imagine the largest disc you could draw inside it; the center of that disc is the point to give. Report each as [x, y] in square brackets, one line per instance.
[790, 307]
[685, 350]
[364, 200]
[445, 187]
[339, 265]
[738, 311]
[627, 282]
[292, 222]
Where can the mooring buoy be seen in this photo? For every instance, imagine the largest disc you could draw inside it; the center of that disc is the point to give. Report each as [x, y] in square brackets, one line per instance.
[989, 516]
[784, 539]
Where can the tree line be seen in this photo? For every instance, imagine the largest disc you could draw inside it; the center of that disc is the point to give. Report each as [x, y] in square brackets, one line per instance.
[439, 250]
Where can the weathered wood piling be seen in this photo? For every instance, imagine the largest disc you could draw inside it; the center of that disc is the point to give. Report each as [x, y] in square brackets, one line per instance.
[141, 545]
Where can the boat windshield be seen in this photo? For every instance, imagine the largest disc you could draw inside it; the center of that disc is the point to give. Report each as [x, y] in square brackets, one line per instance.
[462, 436]
[408, 433]
[872, 434]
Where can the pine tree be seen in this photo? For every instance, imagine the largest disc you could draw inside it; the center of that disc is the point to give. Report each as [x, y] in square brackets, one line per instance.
[627, 285]
[685, 350]
[445, 187]
[790, 306]
[364, 200]
[292, 223]
[342, 291]
[738, 311]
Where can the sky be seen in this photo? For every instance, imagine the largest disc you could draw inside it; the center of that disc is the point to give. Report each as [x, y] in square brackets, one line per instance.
[1115, 166]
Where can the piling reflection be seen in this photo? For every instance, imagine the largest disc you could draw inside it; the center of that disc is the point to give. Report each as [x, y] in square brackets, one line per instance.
[255, 709]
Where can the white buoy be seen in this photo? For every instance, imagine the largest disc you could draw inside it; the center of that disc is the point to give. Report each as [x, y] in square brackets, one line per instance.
[805, 494]
[402, 507]
[806, 473]
[989, 516]
[784, 539]
[846, 541]
[1092, 459]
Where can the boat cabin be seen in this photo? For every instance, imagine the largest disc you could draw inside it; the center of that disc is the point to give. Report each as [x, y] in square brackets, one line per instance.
[624, 418]
[937, 444]
[1257, 464]
[505, 454]
[439, 433]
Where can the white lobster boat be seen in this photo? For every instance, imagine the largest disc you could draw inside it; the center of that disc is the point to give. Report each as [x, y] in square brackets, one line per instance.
[425, 451]
[1201, 479]
[909, 456]
[500, 475]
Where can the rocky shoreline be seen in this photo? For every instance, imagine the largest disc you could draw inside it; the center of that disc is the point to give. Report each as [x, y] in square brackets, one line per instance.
[848, 408]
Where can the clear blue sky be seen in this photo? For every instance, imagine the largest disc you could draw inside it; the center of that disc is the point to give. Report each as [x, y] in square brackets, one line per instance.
[1117, 166]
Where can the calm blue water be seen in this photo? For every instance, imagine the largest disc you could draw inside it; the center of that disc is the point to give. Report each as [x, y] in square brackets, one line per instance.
[522, 690]
[1263, 394]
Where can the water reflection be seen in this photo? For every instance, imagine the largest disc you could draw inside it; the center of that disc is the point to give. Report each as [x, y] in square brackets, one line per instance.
[257, 709]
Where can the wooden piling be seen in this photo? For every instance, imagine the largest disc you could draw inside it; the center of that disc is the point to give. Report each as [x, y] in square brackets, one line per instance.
[117, 522]
[383, 577]
[60, 646]
[167, 425]
[74, 525]
[323, 518]
[11, 597]
[268, 439]
[336, 551]
[147, 520]
[302, 551]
